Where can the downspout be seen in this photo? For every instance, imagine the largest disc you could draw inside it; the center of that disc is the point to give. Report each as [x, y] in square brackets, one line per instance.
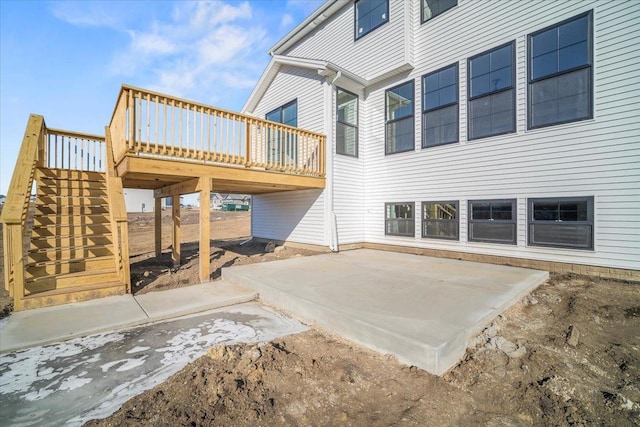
[333, 227]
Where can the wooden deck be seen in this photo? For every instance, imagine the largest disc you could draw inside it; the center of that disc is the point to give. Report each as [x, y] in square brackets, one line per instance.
[154, 141]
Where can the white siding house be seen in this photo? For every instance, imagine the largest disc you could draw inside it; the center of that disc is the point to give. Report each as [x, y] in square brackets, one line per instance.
[506, 129]
[137, 200]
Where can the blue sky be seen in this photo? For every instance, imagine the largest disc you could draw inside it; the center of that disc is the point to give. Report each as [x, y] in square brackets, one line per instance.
[66, 60]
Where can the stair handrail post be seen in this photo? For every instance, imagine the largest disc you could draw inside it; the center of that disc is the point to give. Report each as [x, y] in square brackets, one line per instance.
[16, 208]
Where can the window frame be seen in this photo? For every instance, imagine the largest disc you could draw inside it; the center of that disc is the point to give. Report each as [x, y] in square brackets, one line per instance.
[413, 219]
[589, 65]
[422, 18]
[456, 203]
[425, 111]
[357, 37]
[412, 116]
[281, 110]
[513, 221]
[279, 155]
[357, 127]
[512, 88]
[590, 221]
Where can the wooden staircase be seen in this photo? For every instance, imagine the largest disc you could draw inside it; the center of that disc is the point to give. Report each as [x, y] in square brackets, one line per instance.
[71, 253]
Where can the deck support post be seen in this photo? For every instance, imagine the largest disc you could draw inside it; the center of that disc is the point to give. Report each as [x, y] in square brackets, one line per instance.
[158, 226]
[205, 228]
[175, 215]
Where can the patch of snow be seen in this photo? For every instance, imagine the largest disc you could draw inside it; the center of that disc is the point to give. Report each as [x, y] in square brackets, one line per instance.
[138, 349]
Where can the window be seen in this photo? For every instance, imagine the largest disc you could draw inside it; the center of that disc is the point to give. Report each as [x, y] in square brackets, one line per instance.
[492, 221]
[492, 103]
[560, 75]
[399, 219]
[440, 107]
[399, 114]
[433, 8]
[347, 123]
[440, 220]
[282, 146]
[561, 222]
[370, 14]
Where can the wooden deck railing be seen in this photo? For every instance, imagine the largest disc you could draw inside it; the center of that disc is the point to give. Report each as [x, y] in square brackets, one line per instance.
[16, 208]
[153, 124]
[74, 150]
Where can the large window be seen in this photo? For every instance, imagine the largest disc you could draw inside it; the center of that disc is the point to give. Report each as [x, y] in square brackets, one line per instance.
[440, 107]
[560, 74]
[347, 123]
[492, 106]
[282, 146]
[400, 219]
[492, 221]
[440, 220]
[399, 116]
[370, 14]
[433, 8]
[561, 222]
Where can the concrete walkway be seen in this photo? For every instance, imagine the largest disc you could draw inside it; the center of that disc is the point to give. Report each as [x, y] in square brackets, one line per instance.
[52, 324]
[424, 310]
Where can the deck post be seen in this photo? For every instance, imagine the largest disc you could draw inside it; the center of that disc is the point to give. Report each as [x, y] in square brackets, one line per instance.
[158, 226]
[205, 228]
[175, 210]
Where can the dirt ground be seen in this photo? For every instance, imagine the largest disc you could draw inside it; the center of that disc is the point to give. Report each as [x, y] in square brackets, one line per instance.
[568, 354]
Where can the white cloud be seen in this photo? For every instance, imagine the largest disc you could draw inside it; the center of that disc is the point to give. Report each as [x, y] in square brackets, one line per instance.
[286, 21]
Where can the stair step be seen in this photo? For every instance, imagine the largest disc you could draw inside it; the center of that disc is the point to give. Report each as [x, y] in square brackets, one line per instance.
[46, 210]
[53, 200]
[67, 254]
[54, 219]
[73, 175]
[71, 192]
[47, 268]
[81, 278]
[59, 242]
[48, 230]
[72, 294]
[56, 183]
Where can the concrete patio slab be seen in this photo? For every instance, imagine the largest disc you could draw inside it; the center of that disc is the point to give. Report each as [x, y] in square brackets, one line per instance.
[422, 309]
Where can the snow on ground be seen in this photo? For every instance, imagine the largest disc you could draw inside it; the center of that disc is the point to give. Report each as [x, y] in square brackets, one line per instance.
[74, 381]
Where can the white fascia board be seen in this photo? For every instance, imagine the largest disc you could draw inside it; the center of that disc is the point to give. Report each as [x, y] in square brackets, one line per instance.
[326, 10]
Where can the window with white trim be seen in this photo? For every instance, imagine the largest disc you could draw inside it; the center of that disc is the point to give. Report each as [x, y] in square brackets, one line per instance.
[492, 96]
[440, 220]
[399, 135]
[369, 15]
[492, 221]
[440, 107]
[400, 219]
[560, 73]
[347, 123]
[562, 222]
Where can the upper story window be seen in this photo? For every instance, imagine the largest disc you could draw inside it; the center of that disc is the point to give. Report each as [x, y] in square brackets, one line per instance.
[399, 118]
[433, 8]
[440, 107]
[286, 114]
[370, 14]
[347, 123]
[492, 100]
[282, 145]
[560, 73]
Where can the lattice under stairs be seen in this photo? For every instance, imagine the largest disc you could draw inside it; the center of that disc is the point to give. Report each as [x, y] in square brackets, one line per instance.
[71, 250]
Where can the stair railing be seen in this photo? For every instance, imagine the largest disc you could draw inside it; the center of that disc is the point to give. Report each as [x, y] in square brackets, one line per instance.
[74, 151]
[118, 214]
[15, 212]
[153, 124]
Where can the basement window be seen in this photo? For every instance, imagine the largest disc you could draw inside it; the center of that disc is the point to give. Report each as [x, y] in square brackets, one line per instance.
[440, 220]
[492, 221]
[561, 222]
[400, 219]
[369, 15]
